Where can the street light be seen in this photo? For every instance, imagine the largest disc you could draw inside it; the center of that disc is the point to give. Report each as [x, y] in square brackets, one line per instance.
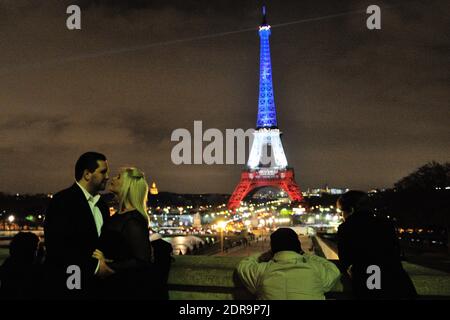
[221, 225]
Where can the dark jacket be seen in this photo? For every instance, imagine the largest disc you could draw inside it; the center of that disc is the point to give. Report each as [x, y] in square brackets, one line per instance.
[71, 238]
[365, 240]
[19, 280]
[125, 240]
[162, 256]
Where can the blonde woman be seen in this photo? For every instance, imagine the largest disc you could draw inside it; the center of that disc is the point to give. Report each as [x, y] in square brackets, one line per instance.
[124, 242]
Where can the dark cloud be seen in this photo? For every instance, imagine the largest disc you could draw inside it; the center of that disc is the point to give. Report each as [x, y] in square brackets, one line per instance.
[358, 108]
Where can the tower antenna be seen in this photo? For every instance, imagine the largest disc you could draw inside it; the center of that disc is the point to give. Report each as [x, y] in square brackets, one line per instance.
[264, 12]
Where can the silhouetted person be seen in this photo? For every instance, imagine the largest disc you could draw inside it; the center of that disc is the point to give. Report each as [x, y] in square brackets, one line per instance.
[162, 260]
[20, 273]
[365, 240]
[72, 228]
[286, 272]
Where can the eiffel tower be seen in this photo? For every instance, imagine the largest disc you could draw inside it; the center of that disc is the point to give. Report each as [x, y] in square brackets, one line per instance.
[260, 172]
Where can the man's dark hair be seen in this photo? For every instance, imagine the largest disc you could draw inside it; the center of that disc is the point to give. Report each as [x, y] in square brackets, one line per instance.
[87, 161]
[285, 239]
[353, 199]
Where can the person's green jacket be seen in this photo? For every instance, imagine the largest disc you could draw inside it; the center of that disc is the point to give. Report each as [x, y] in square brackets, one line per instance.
[288, 276]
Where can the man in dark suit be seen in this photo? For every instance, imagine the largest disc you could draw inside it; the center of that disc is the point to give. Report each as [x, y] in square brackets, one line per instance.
[365, 240]
[72, 228]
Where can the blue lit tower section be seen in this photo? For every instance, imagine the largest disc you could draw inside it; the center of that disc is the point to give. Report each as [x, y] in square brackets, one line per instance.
[267, 116]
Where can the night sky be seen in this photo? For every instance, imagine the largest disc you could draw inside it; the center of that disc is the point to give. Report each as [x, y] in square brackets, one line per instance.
[358, 108]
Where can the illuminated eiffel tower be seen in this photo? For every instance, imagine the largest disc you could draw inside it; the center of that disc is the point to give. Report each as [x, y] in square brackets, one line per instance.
[266, 137]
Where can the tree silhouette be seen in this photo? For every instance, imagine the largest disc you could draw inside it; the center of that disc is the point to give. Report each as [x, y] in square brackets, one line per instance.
[431, 176]
[419, 199]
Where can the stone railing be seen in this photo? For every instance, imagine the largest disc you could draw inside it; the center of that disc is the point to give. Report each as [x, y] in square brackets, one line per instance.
[214, 278]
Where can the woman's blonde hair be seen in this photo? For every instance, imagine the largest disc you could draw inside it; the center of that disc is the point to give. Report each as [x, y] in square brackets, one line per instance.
[134, 190]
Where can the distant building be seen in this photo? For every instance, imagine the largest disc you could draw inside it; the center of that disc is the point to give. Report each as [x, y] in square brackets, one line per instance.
[337, 191]
[197, 221]
[317, 192]
[154, 189]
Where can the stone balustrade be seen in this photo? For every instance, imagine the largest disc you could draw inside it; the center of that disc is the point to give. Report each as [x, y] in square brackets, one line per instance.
[214, 278]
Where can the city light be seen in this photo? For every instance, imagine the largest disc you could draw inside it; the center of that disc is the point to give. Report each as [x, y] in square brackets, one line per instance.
[11, 219]
[222, 224]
